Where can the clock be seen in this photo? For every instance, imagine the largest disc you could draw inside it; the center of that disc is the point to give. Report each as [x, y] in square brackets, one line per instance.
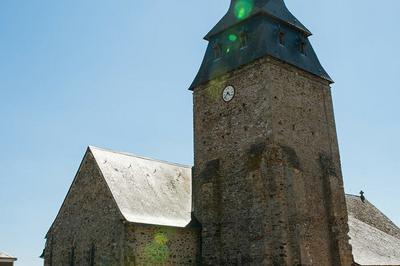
[228, 93]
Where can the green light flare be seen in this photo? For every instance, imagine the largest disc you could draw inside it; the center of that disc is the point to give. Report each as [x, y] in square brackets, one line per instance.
[161, 238]
[228, 50]
[232, 37]
[243, 8]
[157, 251]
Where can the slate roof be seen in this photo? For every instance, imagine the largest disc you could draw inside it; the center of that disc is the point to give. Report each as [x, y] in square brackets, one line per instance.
[256, 36]
[374, 237]
[6, 257]
[272, 8]
[147, 191]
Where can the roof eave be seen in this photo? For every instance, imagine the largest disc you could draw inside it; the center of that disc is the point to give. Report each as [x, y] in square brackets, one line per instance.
[197, 83]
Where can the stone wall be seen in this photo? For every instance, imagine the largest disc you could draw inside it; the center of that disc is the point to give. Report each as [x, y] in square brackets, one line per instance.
[88, 225]
[157, 245]
[89, 230]
[6, 263]
[267, 180]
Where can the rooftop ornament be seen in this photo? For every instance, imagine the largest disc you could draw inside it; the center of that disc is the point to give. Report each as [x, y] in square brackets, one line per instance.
[362, 197]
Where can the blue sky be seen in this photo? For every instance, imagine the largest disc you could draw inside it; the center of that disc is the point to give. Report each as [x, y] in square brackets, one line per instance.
[115, 74]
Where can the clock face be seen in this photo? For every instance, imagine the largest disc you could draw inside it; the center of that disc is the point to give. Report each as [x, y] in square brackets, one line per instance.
[228, 93]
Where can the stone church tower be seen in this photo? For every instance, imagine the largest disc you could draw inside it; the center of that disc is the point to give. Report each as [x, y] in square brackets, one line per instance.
[267, 183]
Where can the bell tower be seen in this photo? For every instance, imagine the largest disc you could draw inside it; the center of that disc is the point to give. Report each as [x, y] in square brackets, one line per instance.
[267, 181]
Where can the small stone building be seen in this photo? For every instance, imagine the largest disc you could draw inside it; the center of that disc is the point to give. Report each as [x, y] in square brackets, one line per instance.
[6, 259]
[125, 210]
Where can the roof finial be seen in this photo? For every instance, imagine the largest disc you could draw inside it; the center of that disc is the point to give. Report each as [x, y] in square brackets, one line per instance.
[362, 196]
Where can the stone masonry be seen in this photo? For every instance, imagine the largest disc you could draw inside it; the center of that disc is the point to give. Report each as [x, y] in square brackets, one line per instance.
[88, 222]
[90, 230]
[268, 188]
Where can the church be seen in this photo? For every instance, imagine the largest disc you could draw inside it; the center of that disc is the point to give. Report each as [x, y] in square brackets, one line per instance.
[266, 187]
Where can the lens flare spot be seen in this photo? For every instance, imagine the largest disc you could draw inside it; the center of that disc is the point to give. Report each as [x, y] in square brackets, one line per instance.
[161, 238]
[157, 251]
[232, 37]
[243, 8]
[228, 50]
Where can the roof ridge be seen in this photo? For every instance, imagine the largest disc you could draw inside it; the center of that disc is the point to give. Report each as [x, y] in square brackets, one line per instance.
[5, 255]
[91, 147]
[348, 194]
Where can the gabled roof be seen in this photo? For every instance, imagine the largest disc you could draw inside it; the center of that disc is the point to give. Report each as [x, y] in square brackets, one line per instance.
[147, 191]
[369, 214]
[4, 257]
[372, 246]
[273, 8]
[374, 237]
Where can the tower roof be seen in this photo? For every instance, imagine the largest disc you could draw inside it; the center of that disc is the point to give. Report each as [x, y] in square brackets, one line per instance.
[241, 10]
[253, 29]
